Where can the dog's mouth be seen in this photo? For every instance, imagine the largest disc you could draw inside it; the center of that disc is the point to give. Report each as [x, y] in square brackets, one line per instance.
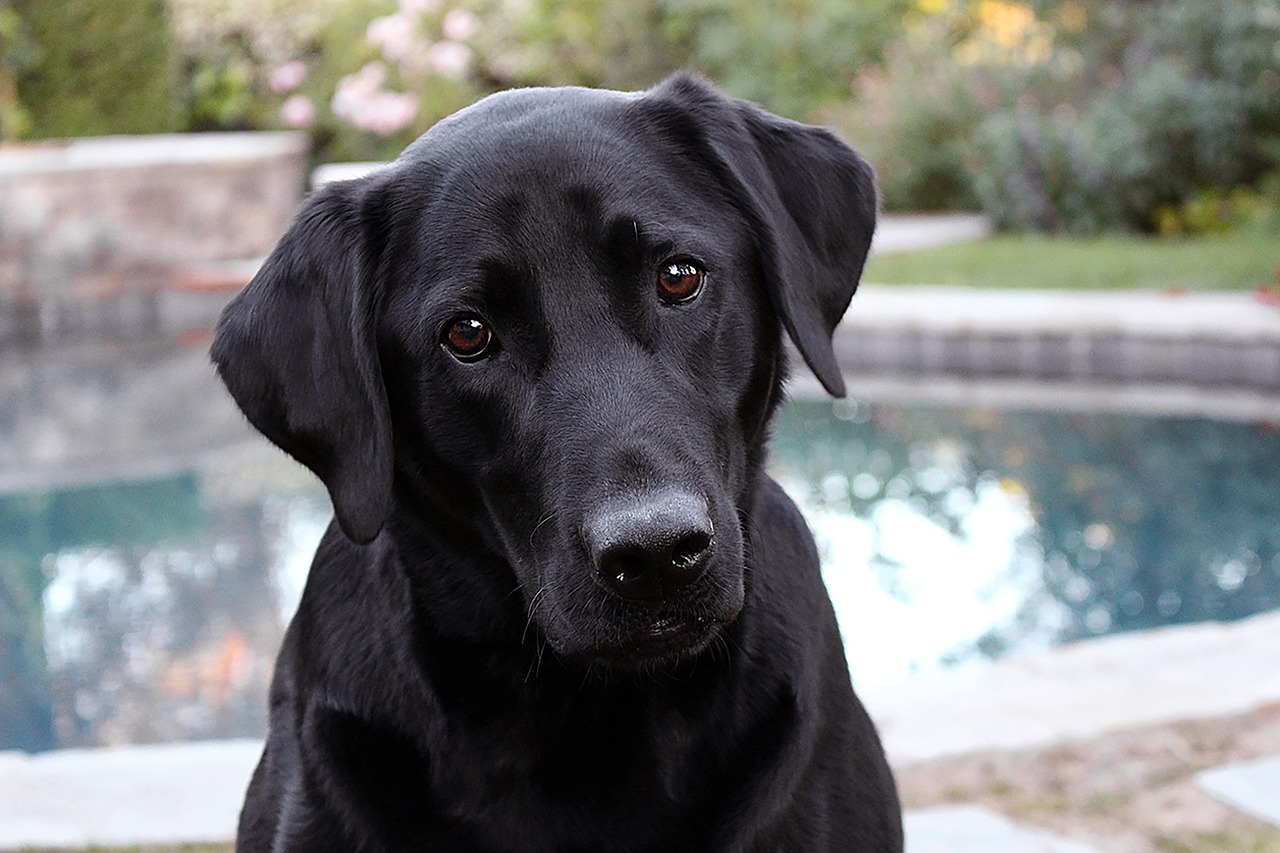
[667, 639]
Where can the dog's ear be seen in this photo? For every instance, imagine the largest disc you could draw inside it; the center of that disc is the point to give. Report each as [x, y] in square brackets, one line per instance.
[297, 350]
[810, 198]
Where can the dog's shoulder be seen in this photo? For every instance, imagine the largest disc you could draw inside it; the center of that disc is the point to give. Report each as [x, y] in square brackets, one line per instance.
[779, 533]
[347, 631]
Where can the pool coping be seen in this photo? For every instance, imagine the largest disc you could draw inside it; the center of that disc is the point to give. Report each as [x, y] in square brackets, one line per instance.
[1081, 690]
[1212, 341]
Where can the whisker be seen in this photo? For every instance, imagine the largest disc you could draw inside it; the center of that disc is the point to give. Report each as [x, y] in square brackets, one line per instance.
[549, 515]
[533, 607]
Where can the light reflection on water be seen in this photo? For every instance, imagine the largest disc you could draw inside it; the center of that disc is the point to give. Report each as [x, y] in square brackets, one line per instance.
[948, 536]
[961, 535]
[168, 630]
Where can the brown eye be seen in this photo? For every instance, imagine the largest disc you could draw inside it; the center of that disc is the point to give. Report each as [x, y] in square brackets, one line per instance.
[467, 338]
[680, 281]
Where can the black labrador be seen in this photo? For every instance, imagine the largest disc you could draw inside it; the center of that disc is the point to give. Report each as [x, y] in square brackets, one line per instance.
[563, 608]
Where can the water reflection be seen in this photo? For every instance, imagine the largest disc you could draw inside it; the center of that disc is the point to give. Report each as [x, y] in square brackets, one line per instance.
[148, 607]
[967, 534]
[163, 602]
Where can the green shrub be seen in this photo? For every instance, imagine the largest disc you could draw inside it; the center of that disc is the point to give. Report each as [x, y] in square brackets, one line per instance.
[795, 57]
[1152, 109]
[1217, 211]
[101, 67]
[1072, 116]
[914, 117]
[16, 54]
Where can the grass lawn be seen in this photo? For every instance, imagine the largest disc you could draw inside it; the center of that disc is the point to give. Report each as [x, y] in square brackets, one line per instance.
[1232, 262]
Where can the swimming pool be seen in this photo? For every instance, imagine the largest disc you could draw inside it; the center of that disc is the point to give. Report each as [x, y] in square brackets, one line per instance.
[151, 548]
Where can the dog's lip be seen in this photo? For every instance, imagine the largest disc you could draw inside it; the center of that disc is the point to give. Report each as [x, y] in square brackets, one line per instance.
[670, 627]
[664, 639]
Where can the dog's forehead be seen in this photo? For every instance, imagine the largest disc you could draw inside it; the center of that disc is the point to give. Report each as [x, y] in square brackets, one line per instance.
[520, 115]
[545, 170]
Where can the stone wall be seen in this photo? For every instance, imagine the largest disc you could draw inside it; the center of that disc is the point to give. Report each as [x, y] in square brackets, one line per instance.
[102, 226]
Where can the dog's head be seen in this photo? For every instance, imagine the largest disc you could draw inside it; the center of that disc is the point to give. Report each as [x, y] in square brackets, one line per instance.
[544, 344]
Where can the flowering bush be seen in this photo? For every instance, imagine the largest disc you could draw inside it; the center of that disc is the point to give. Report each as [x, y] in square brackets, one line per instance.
[364, 77]
[350, 72]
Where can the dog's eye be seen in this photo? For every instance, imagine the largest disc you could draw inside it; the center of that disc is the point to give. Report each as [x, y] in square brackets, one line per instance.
[680, 281]
[467, 338]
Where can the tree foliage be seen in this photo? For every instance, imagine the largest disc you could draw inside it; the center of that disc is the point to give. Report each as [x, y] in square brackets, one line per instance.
[100, 67]
[1146, 104]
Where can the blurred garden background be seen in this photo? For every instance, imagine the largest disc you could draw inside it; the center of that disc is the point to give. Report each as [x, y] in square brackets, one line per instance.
[1060, 116]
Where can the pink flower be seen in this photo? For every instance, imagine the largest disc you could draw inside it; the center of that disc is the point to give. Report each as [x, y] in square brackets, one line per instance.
[393, 34]
[460, 25]
[361, 101]
[418, 7]
[297, 111]
[391, 112]
[449, 58]
[288, 77]
[358, 87]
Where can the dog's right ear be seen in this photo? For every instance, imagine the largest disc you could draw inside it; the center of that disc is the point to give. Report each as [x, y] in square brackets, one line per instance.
[810, 198]
[297, 350]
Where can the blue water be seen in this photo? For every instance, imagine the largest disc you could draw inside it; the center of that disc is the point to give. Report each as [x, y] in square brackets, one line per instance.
[955, 535]
[139, 609]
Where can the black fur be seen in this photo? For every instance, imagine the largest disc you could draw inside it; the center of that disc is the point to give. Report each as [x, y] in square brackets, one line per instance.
[499, 647]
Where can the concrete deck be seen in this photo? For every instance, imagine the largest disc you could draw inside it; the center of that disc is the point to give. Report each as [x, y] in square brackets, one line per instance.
[1252, 787]
[168, 794]
[1082, 690]
[897, 232]
[971, 829]
[1204, 340]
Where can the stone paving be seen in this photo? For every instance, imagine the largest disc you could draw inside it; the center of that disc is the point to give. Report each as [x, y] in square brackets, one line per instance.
[1252, 787]
[972, 829]
[1082, 689]
[164, 794]
[190, 793]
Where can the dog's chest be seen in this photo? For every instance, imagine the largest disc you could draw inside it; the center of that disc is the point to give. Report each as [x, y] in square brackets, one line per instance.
[540, 779]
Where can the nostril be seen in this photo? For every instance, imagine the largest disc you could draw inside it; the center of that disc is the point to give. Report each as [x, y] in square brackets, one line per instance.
[689, 551]
[631, 571]
[626, 566]
[687, 560]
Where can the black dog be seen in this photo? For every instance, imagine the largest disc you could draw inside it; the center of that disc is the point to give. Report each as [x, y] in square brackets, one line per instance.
[563, 608]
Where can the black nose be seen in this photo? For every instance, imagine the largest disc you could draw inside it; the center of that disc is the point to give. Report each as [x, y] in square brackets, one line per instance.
[648, 547]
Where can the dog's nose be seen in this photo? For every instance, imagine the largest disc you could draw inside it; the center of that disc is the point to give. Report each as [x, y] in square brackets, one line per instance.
[648, 547]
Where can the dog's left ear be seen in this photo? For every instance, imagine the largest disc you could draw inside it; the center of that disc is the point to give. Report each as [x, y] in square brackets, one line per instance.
[297, 350]
[812, 201]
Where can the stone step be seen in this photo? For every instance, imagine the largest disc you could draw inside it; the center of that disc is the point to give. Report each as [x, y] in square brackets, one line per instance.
[1252, 787]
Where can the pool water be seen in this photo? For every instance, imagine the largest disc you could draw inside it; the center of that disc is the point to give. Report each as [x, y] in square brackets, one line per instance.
[141, 610]
[961, 535]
